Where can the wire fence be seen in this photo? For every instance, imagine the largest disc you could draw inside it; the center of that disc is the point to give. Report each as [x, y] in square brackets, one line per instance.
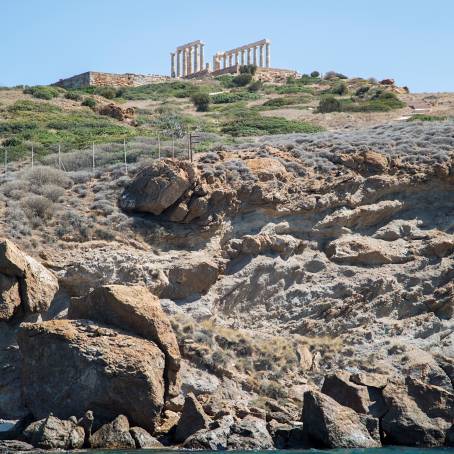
[97, 156]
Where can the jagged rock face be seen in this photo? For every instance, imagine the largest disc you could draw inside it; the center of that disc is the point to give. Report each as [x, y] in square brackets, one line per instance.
[23, 282]
[193, 418]
[134, 309]
[71, 366]
[158, 187]
[333, 425]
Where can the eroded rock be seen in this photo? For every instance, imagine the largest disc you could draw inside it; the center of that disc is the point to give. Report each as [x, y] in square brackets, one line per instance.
[114, 435]
[193, 418]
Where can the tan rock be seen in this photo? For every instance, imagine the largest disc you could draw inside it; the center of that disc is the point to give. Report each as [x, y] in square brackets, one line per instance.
[71, 366]
[158, 186]
[12, 260]
[114, 435]
[9, 296]
[374, 161]
[305, 357]
[133, 309]
[193, 418]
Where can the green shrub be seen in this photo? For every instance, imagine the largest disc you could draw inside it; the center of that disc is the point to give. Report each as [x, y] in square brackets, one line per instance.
[255, 125]
[201, 101]
[334, 75]
[285, 101]
[315, 74]
[42, 92]
[74, 96]
[425, 117]
[225, 98]
[329, 104]
[361, 91]
[242, 80]
[339, 89]
[225, 80]
[89, 102]
[248, 69]
[106, 92]
[293, 88]
[255, 86]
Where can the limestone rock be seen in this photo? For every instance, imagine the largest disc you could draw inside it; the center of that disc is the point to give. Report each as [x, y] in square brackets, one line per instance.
[362, 399]
[332, 425]
[69, 367]
[143, 439]
[250, 433]
[54, 433]
[9, 296]
[418, 414]
[305, 357]
[134, 309]
[10, 446]
[37, 285]
[158, 186]
[114, 435]
[375, 162]
[361, 250]
[193, 418]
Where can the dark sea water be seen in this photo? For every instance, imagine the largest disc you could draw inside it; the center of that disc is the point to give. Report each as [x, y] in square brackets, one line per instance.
[387, 450]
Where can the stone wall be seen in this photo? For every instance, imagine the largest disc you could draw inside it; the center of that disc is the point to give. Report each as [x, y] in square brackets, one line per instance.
[274, 75]
[96, 79]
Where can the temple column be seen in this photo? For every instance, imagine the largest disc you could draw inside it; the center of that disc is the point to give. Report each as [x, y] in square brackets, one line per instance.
[248, 55]
[242, 56]
[184, 60]
[261, 56]
[172, 64]
[236, 58]
[254, 50]
[268, 56]
[224, 61]
[178, 63]
[201, 57]
[196, 58]
[230, 59]
[189, 62]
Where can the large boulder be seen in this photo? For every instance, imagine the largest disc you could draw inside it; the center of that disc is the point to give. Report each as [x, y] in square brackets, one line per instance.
[22, 274]
[71, 366]
[158, 186]
[364, 251]
[54, 433]
[331, 425]
[114, 435]
[134, 309]
[419, 414]
[193, 418]
[362, 399]
[143, 439]
[250, 433]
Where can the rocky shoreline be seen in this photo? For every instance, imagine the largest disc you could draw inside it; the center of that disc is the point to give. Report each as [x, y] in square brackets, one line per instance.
[277, 305]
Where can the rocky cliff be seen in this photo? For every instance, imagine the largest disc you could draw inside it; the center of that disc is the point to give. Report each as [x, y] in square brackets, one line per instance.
[305, 280]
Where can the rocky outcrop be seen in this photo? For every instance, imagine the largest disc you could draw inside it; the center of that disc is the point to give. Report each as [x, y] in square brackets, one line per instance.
[418, 414]
[159, 186]
[113, 110]
[24, 282]
[114, 435]
[134, 309]
[331, 425]
[193, 418]
[54, 433]
[71, 366]
[143, 439]
[9, 446]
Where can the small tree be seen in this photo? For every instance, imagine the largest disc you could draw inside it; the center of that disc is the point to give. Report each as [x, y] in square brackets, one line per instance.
[340, 89]
[248, 69]
[329, 104]
[315, 74]
[201, 101]
[242, 80]
[255, 86]
[89, 102]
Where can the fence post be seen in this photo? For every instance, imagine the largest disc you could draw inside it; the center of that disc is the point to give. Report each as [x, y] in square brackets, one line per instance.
[159, 146]
[124, 150]
[93, 156]
[33, 158]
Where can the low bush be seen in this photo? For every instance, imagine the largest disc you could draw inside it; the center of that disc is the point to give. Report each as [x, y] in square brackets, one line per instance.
[89, 102]
[201, 101]
[225, 98]
[37, 206]
[426, 117]
[73, 96]
[242, 80]
[42, 176]
[248, 69]
[285, 101]
[105, 92]
[339, 89]
[315, 74]
[42, 92]
[255, 86]
[329, 104]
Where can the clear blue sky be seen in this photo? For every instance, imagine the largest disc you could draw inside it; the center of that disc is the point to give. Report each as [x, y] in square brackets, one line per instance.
[409, 40]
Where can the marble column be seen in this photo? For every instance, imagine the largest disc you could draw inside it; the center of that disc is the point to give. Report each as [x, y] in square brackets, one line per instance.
[201, 64]
[248, 55]
[230, 59]
[254, 53]
[172, 64]
[184, 60]
[224, 61]
[236, 58]
[242, 56]
[178, 63]
[261, 56]
[196, 58]
[268, 56]
[189, 63]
